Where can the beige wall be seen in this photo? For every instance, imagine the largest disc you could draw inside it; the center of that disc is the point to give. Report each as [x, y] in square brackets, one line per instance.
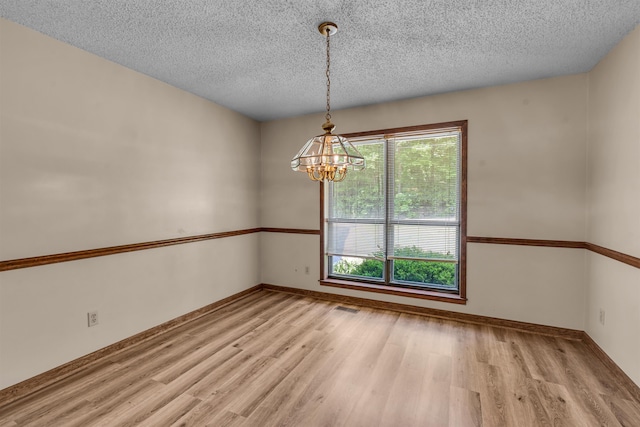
[527, 168]
[91, 155]
[614, 202]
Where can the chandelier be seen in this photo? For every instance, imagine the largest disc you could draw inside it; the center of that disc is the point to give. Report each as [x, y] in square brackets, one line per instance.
[327, 157]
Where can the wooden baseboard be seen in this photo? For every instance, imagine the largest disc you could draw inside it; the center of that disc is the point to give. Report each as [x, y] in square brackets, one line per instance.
[618, 373]
[572, 334]
[40, 381]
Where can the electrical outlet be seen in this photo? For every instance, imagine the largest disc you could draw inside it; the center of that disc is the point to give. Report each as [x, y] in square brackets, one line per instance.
[92, 318]
[306, 270]
[602, 316]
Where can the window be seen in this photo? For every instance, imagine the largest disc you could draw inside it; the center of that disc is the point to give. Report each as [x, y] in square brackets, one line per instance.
[399, 226]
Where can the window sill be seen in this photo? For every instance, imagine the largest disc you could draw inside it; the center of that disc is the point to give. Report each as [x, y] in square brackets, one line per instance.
[392, 290]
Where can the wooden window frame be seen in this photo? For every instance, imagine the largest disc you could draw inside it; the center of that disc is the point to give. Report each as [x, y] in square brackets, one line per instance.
[370, 286]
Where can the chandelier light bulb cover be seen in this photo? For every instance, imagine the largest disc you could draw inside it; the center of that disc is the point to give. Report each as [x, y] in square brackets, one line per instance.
[327, 157]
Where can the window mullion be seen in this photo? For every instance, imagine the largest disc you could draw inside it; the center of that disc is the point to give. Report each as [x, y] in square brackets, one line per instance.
[331, 202]
[389, 206]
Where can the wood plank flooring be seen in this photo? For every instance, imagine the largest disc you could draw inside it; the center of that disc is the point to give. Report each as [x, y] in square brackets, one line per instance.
[274, 359]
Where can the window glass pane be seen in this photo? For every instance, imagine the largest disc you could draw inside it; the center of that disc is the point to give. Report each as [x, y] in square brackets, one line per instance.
[417, 241]
[356, 239]
[361, 194]
[441, 274]
[425, 175]
[356, 267]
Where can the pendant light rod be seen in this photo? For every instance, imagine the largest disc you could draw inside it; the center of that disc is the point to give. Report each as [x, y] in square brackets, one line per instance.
[328, 74]
[327, 157]
[328, 29]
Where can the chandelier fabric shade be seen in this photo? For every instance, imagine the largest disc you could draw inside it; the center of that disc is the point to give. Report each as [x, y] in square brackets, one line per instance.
[327, 157]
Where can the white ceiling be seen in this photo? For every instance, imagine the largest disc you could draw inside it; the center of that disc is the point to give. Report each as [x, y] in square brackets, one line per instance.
[266, 59]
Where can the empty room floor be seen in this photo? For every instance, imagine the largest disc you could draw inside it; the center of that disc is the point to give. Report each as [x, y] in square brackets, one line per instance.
[276, 359]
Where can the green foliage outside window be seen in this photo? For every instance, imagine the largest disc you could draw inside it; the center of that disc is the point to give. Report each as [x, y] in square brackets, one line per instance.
[425, 182]
[426, 178]
[361, 195]
[428, 272]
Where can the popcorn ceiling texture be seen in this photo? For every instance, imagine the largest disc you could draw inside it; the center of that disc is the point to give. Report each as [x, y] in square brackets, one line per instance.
[266, 60]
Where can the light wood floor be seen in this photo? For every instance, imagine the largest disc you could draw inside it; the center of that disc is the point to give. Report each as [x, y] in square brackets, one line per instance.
[284, 360]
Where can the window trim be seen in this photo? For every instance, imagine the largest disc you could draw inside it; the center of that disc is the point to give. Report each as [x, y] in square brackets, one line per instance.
[459, 297]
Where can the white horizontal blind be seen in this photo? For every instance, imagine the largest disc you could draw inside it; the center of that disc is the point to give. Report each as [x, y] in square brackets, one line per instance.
[423, 204]
[356, 208]
[356, 239]
[426, 242]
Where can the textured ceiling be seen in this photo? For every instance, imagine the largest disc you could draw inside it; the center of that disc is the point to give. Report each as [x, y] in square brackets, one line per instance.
[265, 58]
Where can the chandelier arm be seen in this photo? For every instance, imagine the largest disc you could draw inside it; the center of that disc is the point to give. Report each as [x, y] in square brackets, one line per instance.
[343, 174]
[316, 174]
